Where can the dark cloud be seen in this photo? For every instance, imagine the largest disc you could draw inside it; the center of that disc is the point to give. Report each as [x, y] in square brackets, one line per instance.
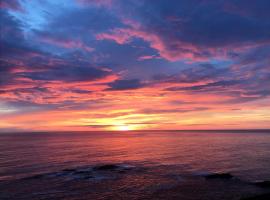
[10, 4]
[208, 23]
[14, 47]
[130, 84]
[78, 28]
[21, 107]
[67, 74]
[80, 91]
[194, 29]
[23, 66]
[17, 52]
[31, 90]
[239, 88]
[86, 19]
[176, 110]
[257, 9]
[209, 86]
[11, 36]
[193, 74]
[245, 81]
[259, 56]
[5, 67]
[11, 28]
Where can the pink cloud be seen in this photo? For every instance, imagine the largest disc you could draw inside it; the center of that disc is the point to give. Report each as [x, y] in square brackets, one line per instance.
[11, 5]
[148, 57]
[120, 36]
[169, 50]
[106, 3]
[67, 43]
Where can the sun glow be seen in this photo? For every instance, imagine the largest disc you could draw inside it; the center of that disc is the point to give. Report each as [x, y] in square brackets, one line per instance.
[123, 128]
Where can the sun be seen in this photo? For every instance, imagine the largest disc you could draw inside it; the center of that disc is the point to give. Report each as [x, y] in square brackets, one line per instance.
[123, 128]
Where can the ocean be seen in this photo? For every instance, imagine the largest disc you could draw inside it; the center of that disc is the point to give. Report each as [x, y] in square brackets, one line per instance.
[186, 165]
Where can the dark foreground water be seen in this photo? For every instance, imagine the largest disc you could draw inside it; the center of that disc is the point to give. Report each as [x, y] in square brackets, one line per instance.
[134, 165]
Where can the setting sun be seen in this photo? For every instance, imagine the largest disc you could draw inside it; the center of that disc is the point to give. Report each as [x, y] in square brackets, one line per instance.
[118, 99]
[123, 128]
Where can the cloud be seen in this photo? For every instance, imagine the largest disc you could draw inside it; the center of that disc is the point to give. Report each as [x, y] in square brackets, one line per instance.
[258, 9]
[33, 75]
[179, 50]
[107, 3]
[10, 4]
[208, 87]
[10, 25]
[67, 43]
[148, 57]
[67, 74]
[192, 30]
[76, 62]
[203, 72]
[130, 84]
[172, 110]
[237, 85]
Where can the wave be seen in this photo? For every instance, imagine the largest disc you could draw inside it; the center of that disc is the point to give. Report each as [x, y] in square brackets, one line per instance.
[97, 172]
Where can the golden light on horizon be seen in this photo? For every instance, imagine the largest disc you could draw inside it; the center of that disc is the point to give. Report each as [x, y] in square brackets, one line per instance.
[123, 128]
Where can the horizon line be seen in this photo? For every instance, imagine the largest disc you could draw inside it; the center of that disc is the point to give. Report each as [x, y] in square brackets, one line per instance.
[142, 130]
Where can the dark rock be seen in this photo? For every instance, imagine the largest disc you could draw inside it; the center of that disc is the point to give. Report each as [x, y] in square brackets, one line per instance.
[88, 177]
[263, 184]
[68, 170]
[219, 176]
[83, 172]
[37, 176]
[259, 197]
[106, 167]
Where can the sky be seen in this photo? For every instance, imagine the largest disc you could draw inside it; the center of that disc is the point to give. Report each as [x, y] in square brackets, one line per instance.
[134, 64]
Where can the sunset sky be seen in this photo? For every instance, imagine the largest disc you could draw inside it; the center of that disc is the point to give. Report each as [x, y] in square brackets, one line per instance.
[134, 64]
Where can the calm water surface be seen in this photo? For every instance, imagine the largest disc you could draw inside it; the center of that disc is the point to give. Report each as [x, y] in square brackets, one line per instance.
[246, 155]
